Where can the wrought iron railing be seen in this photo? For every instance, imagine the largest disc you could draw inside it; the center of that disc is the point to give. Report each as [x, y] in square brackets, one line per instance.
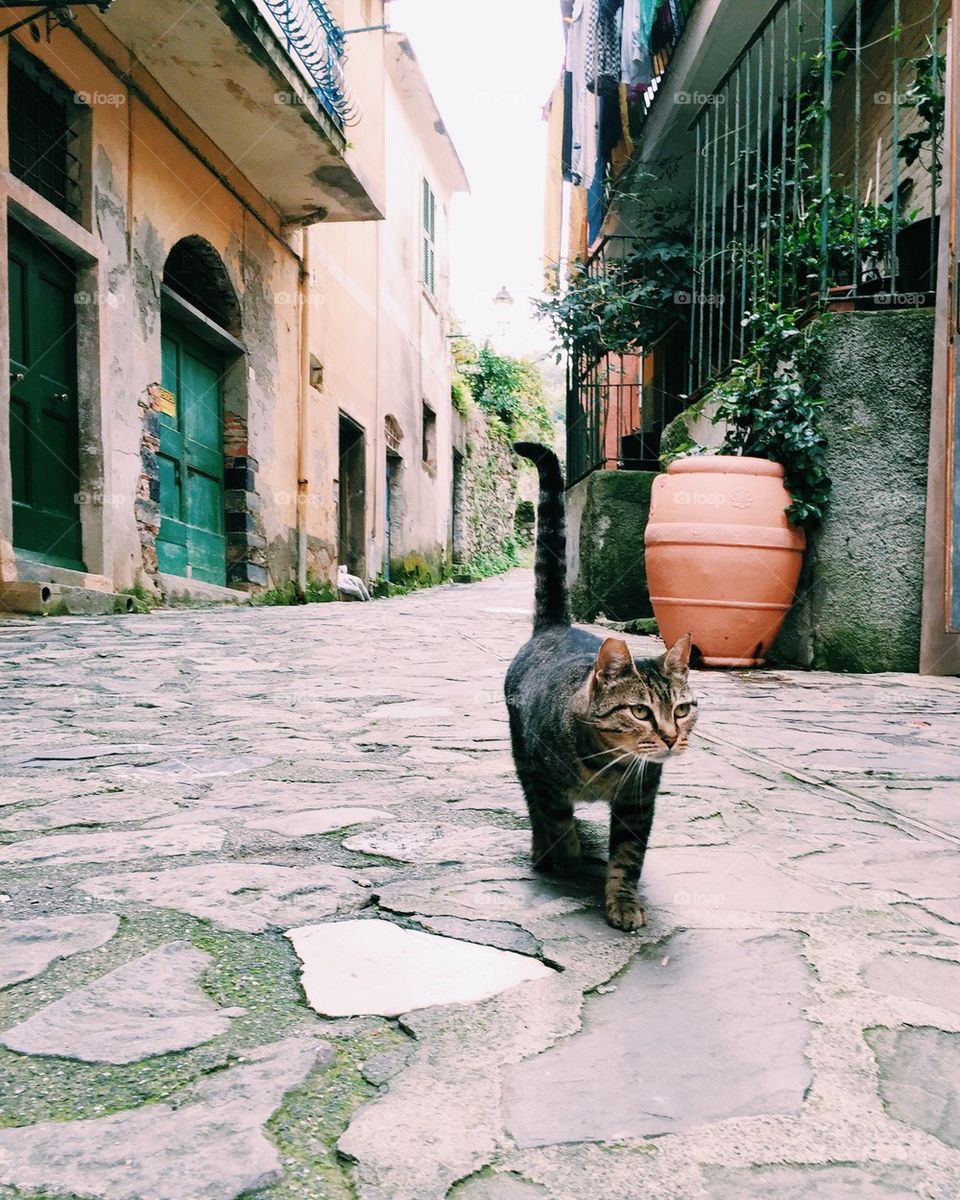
[316, 43]
[818, 169]
[604, 397]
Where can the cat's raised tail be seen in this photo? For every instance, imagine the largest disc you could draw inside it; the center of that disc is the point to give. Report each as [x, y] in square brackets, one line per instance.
[552, 607]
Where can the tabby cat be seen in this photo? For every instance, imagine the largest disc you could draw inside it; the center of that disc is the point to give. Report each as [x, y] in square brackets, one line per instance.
[589, 723]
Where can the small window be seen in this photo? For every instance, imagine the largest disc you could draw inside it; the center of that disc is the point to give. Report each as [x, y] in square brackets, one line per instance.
[429, 239]
[429, 437]
[42, 115]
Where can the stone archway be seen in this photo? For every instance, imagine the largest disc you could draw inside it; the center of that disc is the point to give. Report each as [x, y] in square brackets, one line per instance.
[199, 479]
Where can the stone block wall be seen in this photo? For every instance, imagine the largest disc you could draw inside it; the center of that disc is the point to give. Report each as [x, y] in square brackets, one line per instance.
[860, 596]
[607, 517]
[485, 505]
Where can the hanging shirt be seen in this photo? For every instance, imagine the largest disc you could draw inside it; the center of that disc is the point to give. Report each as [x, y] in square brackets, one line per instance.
[636, 60]
[581, 45]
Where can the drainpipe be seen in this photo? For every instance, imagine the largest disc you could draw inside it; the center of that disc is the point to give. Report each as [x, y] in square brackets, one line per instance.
[303, 432]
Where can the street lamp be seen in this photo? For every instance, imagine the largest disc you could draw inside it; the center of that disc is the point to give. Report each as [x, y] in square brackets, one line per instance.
[503, 301]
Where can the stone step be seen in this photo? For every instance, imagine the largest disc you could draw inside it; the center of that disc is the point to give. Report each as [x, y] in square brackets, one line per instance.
[53, 599]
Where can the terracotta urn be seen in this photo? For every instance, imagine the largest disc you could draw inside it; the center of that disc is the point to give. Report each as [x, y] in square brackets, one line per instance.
[723, 561]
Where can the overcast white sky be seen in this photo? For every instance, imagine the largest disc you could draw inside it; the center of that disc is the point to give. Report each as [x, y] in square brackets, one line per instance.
[491, 68]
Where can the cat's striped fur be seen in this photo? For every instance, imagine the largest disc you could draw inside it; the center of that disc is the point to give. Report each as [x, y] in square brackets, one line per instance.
[587, 722]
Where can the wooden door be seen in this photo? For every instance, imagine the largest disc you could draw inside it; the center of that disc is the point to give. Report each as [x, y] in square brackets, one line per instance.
[192, 539]
[44, 414]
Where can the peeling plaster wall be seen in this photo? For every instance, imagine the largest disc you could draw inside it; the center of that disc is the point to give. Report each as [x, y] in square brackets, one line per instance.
[145, 191]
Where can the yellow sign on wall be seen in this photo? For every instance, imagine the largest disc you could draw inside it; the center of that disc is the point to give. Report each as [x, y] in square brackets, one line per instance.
[167, 401]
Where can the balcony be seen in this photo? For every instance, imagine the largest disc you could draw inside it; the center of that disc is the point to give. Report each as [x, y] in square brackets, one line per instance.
[265, 81]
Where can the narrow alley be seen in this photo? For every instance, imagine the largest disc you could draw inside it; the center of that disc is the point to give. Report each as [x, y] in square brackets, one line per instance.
[197, 803]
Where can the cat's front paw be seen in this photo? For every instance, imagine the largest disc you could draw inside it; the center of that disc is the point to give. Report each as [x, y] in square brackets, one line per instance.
[625, 914]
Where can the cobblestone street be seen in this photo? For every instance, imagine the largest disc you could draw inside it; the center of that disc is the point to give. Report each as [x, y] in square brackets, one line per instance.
[180, 792]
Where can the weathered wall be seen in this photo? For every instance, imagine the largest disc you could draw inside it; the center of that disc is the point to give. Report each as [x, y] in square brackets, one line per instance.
[606, 519]
[485, 506]
[860, 596]
[383, 340]
[144, 190]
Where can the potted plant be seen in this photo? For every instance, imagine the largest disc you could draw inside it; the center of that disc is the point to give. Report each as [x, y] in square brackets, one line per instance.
[726, 535]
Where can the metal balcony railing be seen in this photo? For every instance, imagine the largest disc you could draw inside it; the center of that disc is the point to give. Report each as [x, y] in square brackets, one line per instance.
[316, 43]
[818, 169]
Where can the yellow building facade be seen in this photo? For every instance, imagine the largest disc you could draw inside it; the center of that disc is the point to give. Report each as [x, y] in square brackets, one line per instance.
[195, 245]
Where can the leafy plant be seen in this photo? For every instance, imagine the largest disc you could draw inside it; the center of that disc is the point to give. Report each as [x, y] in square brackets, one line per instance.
[511, 391]
[926, 95]
[621, 305]
[770, 407]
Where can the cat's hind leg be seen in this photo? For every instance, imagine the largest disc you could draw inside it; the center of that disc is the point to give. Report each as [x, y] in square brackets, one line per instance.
[556, 845]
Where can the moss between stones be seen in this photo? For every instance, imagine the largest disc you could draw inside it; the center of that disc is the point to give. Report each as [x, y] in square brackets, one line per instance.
[258, 972]
[613, 576]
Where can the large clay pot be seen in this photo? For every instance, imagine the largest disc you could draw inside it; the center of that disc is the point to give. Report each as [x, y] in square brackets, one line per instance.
[723, 561]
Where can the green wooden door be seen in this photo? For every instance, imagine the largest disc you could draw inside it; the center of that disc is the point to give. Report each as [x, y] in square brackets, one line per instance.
[191, 540]
[44, 421]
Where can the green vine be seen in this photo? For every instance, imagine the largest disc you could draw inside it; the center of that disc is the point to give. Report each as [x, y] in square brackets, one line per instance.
[770, 406]
[629, 302]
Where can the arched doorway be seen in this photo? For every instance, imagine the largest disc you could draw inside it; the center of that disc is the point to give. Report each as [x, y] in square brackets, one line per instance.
[393, 436]
[200, 327]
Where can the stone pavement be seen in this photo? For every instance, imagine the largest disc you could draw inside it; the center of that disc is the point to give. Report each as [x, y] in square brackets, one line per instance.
[192, 800]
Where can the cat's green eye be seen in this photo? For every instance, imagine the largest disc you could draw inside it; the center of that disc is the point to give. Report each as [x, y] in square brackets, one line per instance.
[682, 710]
[642, 712]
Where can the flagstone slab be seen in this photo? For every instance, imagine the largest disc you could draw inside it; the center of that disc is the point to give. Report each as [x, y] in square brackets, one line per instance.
[710, 880]
[920, 977]
[495, 893]
[29, 947]
[151, 1005]
[499, 1187]
[62, 848]
[923, 870]
[105, 809]
[320, 820]
[920, 1078]
[192, 767]
[250, 897]
[421, 842]
[738, 998]
[55, 756]
[375, 968]
[500, 934]
[211, 1144]
[798, 1181]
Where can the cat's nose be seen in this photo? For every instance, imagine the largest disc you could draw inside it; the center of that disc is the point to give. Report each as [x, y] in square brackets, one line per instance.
[670, 738]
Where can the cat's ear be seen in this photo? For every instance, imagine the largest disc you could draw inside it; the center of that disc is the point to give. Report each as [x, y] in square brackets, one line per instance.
[613, 662]
[676, 661]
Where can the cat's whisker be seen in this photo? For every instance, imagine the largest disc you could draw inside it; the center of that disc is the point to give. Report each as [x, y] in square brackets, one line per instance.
[600, 754]
[603, 770]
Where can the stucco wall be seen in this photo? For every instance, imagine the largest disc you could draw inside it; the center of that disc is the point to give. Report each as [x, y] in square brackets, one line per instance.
[860, 596]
